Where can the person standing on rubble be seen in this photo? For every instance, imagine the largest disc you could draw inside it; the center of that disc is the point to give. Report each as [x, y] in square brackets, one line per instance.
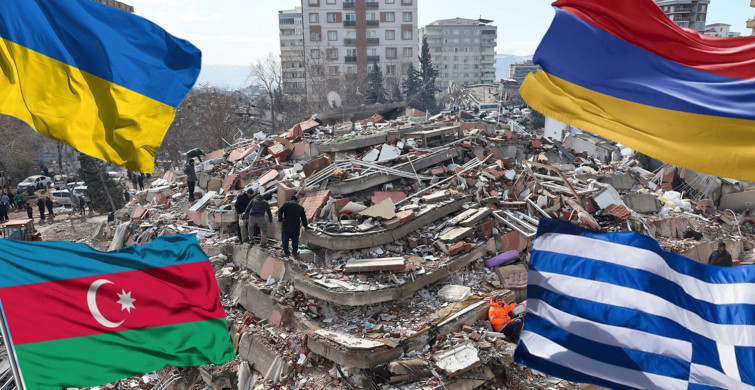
[134, 180]
[242, 201]
[48, 203]
[140, 179]
[255, 216]
[3, 212]
[292, 216]
[41, 207]
[720, 257]
[191, 178]
[29, 211]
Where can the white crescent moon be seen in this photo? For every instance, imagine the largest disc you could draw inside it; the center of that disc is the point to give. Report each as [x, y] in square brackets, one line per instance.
[92, 302]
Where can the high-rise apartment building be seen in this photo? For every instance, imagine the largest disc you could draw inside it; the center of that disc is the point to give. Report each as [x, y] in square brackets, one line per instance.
[292, 52]
[751, 22]
[686, 13]
[342, 38]
[463, 50]
[519, 71]
[117, 4]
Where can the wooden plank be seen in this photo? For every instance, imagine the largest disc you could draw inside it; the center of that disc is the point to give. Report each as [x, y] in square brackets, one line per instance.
[372, 265]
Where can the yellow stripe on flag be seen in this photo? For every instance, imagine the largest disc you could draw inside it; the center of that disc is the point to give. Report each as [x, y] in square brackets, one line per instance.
[95, 116]
[714, 145]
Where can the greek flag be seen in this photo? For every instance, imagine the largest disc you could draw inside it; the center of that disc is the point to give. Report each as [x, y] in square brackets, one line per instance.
[615, 310]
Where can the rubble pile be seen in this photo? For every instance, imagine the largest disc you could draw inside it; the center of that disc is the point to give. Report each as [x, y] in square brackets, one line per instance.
[414, 226]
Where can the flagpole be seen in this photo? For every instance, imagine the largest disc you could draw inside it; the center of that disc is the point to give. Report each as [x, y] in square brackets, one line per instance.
[11, 352]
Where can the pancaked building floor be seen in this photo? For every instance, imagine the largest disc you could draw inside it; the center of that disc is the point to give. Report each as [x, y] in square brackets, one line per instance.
[415, 225]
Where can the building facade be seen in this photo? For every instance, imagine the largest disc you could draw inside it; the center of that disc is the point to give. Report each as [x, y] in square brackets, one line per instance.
[343, 38]
[519, 71]
[721, 30]
[463, 50]
[117, 4]
[291, 32]
[751, 22]
[686, 13]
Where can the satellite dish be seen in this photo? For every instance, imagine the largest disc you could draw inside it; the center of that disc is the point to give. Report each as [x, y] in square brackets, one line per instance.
[334, 99]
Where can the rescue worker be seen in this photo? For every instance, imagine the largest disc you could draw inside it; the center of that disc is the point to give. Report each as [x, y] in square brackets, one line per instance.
[254, 215]
[241, 202]
[292, 217]
[41, 207]
[720, 257]
[502, 321]
[191, 178]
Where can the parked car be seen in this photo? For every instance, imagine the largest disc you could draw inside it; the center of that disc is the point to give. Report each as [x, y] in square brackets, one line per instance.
[72, 185]
[79, 191]
[35, 182]
[61, 197]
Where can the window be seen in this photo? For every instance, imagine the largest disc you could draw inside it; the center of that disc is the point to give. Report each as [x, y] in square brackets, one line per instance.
[314, 53]
[351, 34]
[330, 1]
[391, 52]
[314, 18]
[390, 35]
[407, 17]
[351, 53]
[372, 16]
[332, 54]
[350, 17]
[333, 70]
[332, 17]
[314, 2]
[372, 52]
[314, 36]
[390, 1]
[332, 35]
[408, 52]
[406, 2]
[351, 69]
[407, 34]
[390, 70]
[390, 16]
[466, 32]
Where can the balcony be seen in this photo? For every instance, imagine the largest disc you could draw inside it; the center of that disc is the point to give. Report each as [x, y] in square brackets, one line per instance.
[349, 23]
[373, 58]
[373, 23]
[373, 41]
[350, 41]
[349, 5]
[751, 23]
[350, 59]
[373, 5]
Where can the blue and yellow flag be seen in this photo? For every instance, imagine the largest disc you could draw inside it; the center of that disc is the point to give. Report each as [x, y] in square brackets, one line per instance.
[624, 70]
[95, 77]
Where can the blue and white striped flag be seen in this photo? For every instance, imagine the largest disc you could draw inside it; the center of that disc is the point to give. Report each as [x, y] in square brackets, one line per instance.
[615, 310]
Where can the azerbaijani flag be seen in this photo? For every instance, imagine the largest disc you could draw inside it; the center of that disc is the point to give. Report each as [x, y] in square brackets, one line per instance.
[78, 317]
[100, 79]
[625, 71]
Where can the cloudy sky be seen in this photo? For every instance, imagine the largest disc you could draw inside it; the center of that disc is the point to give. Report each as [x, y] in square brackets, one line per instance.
[238, 32]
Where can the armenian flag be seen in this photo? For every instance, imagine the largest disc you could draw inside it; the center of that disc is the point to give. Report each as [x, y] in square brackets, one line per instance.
[79, 318]
[625, 71]
[100, 79]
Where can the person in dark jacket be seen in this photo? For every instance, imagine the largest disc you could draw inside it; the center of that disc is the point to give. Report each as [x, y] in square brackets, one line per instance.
[3, 212]
[241, 202]
[134, 180]
[720, 257]
[48, 203]
[191, 178]
[141, 181]
[82, 205]
[255, 216]
[41, 207]
[292, 216]
[29, 211]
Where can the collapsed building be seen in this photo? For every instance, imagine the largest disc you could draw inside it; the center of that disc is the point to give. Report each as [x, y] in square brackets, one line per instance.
[415, 225]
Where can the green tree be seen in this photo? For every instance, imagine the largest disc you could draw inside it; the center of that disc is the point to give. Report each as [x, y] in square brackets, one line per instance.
[396, 94]
[99, 184]
[428, 74]
[412, 87]
[375, 88]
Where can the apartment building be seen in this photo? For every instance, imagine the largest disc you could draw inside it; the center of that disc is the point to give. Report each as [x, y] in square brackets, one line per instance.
[751, 22]
[463, 50]
[520, 70]
[686, 13]
[291, 32]
[721, 30]
[342, 38]
[117, 4]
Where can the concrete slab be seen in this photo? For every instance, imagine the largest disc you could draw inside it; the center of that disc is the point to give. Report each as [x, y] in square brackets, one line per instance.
[457, 361]
[457, 234]
[642, 203]
[372, 265]
[383, 210]
[476, 217]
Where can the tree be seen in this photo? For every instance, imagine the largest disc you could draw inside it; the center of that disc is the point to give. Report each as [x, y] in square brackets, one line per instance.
[396, 94]
[536, 120]
[412, 87]
[106, 195]
[375, 88]
[268, 73]
[428, 74]
[20, 146]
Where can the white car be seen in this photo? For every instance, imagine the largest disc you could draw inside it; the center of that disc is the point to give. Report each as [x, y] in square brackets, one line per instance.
[36, 182]
[71, 186]
[79, 191]
[61, 197]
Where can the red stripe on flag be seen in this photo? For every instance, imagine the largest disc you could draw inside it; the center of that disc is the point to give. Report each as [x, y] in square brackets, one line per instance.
[88, 306]
[643, 24]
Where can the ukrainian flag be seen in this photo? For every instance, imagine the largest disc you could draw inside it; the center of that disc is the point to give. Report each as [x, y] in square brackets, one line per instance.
[95, 77]
[625, 71]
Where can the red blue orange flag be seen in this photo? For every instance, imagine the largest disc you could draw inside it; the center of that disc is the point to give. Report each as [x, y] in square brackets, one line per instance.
[100, 79]
[625, 71]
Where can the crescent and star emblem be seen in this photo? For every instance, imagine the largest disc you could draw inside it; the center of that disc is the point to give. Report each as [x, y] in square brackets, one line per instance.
[125, 300]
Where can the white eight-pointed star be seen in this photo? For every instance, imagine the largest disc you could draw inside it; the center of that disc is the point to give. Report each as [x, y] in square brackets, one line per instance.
[127, 303]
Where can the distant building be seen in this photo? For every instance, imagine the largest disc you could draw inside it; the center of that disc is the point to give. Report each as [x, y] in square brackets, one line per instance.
[291, 34]
[342, 38]
[720, 30]
[463, 50]
[519, 71]
[751, 22]
[686, 13]
[117, 4]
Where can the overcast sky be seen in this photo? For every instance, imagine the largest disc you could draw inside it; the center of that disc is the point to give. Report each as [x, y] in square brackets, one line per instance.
[238, 32]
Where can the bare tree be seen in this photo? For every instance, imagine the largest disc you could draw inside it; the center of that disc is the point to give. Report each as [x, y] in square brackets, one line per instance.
[20, 146]
[267, 72]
